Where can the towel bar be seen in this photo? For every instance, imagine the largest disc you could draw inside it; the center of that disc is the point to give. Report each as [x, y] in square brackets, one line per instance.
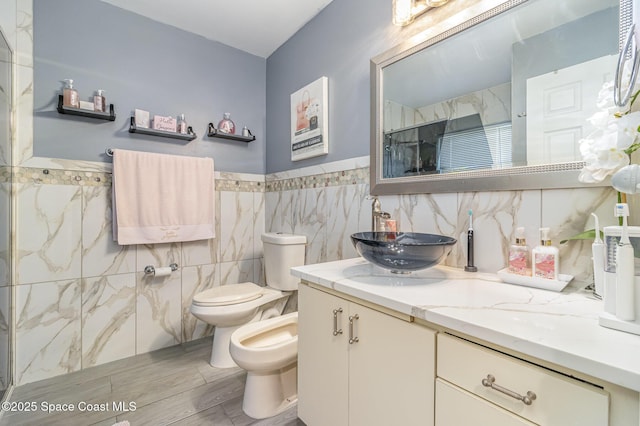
[109, 152]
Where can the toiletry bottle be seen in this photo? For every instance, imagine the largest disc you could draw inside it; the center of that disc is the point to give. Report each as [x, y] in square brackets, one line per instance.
[99, 102]
[70, 96]
[625, 270]
[545, 258]
[519, 254]
[182, 124]
[597, 251]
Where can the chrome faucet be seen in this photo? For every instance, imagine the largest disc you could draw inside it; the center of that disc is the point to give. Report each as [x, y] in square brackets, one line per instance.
[378, 217]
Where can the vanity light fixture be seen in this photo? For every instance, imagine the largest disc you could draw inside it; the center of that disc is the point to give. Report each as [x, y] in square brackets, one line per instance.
[404, 11]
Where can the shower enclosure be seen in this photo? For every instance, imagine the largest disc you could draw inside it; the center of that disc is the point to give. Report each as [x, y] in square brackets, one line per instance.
[6, 284]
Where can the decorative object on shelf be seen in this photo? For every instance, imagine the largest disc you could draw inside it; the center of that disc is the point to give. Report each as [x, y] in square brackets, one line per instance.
[189, 136]
[99, 101]
[142, 118]
[215, 133]
[182, 124]
[246, 132]
[226, 125]
[87, 106]
[110, 115]
[310, 120]
[167, 124]
[70, 95]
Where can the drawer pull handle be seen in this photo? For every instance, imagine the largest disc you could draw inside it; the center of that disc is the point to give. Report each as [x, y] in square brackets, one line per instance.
[352, 339]
[335, 321]
[490, 382]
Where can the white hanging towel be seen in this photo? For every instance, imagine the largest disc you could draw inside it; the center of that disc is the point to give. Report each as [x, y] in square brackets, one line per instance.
[159, 198]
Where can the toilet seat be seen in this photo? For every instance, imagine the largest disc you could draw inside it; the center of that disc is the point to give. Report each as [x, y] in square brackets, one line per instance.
[228, 294]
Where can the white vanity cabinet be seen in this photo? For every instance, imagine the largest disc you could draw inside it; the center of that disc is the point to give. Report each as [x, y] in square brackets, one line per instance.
[496, 386]
[358, 366]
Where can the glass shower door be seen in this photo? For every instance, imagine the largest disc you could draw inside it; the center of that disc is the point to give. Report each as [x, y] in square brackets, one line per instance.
[5, 211]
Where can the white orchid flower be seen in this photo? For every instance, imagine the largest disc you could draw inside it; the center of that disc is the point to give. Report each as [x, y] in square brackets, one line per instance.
[607, 149]
[628, 129]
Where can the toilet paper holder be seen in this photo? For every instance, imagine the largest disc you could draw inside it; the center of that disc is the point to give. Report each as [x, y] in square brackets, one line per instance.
[151, 270]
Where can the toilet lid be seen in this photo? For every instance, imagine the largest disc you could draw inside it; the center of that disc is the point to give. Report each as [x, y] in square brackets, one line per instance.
[228, 294]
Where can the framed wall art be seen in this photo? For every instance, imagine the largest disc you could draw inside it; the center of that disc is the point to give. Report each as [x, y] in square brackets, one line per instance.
[310, 120]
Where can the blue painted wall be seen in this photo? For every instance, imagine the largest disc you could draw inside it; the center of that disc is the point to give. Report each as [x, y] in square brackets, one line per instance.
[338, 44]
[147, 65]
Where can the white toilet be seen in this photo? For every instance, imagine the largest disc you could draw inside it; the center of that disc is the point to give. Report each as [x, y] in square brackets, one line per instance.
[268, 350]
[230, 306]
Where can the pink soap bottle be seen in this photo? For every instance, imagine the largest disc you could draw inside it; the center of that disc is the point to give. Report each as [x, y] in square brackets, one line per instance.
[519, 255]
[545, 257]
[70, 95]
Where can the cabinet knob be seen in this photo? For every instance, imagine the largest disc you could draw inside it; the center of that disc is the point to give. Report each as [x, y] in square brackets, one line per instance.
[352, 339]
[490, 382]
[335, 321]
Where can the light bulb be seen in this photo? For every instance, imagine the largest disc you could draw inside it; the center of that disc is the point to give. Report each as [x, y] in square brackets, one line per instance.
[402, 12]
[435, 3]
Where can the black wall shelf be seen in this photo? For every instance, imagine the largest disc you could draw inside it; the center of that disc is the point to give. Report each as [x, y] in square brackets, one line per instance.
[214, 133]
[109, 116]
[189, 136]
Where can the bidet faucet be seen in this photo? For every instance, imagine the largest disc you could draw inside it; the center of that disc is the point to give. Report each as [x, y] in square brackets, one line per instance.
[378, 217]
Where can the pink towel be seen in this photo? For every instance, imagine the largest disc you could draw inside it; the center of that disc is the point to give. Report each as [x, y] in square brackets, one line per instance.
[160, 198]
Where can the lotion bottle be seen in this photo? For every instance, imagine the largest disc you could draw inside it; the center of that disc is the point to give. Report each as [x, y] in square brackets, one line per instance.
[182, 124]
[99, 101]
[545, 258]
[519, 255]
[70, 95]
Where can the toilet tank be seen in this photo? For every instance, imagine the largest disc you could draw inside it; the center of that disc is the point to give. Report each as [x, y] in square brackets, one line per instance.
[281, 253]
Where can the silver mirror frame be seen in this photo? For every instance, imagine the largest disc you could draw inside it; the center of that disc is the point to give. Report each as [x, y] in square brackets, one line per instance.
[560, 175]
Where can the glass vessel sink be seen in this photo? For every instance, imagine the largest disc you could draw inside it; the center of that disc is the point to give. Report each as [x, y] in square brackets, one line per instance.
[402, 252]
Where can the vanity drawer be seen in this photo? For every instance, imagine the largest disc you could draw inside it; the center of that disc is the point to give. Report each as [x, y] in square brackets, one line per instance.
[559, 400]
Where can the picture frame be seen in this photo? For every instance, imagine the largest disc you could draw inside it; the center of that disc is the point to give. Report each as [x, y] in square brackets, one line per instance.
[310, 120]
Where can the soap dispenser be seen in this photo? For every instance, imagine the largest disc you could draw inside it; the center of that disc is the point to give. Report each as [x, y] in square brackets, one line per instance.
[519, 254]
[545, 257]
[70, 95]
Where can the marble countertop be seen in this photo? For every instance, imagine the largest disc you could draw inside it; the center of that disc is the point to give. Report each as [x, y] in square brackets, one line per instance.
[561, 328]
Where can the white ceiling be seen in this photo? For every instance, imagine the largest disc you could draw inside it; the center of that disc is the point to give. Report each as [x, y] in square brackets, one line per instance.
[255, 26]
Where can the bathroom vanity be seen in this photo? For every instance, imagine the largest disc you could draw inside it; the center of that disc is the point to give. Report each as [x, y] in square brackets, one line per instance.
[447, 347]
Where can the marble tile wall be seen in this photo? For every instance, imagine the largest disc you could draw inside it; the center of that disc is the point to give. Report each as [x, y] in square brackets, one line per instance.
[328, 215]
[83, 300]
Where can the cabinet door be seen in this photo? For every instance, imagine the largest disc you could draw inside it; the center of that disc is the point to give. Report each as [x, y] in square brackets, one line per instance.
[391, 370]
[455, 406]
[322, 359]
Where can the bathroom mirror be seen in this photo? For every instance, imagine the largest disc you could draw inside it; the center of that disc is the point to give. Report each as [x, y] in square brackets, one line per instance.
[498, 102]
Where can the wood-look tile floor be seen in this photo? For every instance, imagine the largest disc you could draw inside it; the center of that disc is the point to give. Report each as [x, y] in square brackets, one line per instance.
[171, 386]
